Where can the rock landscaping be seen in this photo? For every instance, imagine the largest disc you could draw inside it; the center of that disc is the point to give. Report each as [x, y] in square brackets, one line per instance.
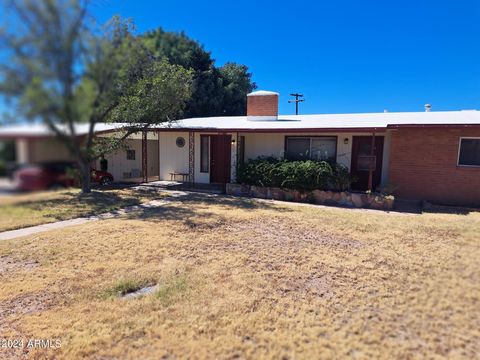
[321, 197]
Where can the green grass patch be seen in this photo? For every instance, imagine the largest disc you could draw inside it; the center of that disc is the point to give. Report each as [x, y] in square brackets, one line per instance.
[127, 286]
[172, 289]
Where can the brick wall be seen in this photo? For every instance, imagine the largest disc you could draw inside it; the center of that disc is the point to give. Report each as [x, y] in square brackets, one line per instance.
[423, 166]
[262, 105]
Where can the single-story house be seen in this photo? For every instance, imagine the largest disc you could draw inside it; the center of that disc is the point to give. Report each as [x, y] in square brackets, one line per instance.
[428, 155]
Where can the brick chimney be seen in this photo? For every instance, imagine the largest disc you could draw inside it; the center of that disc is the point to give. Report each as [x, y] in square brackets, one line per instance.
[262, 105]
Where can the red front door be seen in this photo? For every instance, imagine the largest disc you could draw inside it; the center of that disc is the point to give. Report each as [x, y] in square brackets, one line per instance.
[220, 157]
[362, 159]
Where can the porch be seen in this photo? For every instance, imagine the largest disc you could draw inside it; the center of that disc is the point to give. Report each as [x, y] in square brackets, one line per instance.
[191, 159]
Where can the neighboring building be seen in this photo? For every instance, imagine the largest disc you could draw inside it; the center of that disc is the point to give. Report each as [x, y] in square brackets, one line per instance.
[431, 155]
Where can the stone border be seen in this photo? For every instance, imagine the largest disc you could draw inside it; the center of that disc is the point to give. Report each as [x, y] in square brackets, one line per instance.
[344, 198]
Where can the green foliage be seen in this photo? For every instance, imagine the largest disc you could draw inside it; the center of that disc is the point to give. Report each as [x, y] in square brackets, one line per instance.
[159, 95]
[216, 91]
[237, 84]
[341, 179]
[7, 151]
[7, 156]
[171, 289]
[299, 175]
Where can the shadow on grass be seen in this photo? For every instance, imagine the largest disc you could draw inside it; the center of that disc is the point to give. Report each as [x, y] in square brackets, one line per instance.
[419, 207]
[193, 208]
[72, 204]
[231, 202]
[451, 210]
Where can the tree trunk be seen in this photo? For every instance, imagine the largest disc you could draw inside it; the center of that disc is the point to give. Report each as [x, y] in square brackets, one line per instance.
[85, 174]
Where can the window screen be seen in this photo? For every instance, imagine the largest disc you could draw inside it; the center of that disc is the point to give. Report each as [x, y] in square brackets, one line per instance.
[297, 148]
[323, 148]
[469, 152]
[315, 148]
[204, 153]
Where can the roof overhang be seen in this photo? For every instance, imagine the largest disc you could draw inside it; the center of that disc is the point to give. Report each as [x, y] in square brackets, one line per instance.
[398, 126]
[282, 130]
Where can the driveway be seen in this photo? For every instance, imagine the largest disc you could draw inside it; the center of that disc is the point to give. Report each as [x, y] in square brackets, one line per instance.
[6, 187]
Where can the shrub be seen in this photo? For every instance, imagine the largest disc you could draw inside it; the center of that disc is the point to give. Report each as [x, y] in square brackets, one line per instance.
[299, 175]
[341, 179]
[257, 172]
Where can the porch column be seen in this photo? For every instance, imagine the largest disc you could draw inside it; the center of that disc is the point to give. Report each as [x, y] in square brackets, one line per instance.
[191, 157]
[159, 176]
[234, 157]
[144, 156]
[22, 151]
[372, 166]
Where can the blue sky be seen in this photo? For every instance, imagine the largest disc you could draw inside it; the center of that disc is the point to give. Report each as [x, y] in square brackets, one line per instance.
[345, 56]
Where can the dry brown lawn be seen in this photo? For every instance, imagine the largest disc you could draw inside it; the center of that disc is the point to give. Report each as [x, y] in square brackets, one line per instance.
[246, 279]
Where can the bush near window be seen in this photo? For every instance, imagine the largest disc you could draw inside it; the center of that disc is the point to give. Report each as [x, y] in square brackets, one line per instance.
[299, 175]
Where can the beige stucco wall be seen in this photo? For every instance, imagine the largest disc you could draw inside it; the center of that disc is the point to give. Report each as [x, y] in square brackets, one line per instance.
[259, 144]
[118, 164]
[175, 159]
[172, 157]
[273, 144]
[21, 151]
[48, 149]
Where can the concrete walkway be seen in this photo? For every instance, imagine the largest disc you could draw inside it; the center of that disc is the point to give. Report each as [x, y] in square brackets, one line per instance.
[12, 234]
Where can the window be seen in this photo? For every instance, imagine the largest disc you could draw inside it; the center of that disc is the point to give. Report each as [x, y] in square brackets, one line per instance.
[365, 162]
[315, 148]
[469, 152]
[204, 153]
[130, 154]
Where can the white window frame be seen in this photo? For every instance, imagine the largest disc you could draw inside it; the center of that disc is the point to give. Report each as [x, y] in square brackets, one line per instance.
[460, 146]
[310, 138]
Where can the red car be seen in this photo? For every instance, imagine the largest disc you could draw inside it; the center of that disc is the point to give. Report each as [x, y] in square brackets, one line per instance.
[53, 175]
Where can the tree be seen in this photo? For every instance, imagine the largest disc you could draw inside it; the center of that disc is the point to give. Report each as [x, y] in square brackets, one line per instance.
[7, 155]
[7, 151]
[237, 84]
[62, 70]
[216, 91]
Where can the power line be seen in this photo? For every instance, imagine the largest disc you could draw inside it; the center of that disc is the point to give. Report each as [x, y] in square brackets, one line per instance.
[296, 101]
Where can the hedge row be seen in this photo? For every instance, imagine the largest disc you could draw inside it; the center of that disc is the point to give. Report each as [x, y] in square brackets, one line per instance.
[299, 175]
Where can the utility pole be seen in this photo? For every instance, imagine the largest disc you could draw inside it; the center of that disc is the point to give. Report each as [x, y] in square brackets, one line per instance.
[296, 101]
